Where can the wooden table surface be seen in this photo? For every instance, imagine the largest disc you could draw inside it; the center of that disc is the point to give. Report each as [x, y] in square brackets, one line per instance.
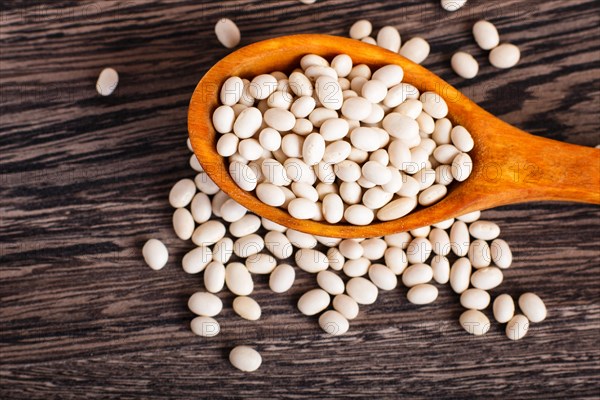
[84, 182]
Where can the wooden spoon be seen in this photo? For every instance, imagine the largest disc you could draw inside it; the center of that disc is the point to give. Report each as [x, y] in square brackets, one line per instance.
[510, 166]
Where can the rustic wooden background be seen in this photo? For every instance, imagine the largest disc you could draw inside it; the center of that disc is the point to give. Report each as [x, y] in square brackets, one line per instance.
[84, 182]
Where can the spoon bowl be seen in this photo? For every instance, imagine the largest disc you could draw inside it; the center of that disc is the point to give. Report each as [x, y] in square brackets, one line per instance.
[509, 165]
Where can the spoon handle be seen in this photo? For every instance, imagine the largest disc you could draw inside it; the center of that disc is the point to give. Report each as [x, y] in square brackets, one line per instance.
[524, 167]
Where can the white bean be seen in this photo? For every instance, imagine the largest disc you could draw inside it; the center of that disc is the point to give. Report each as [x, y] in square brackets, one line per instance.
[231, 92]
[300, 84]
[421, 294]
[360, 29]
[245, 358]
[196, 260]
[391, 75]
[417, 274]
[362, 139]
[462, 166]
[460, 275]
[376, 173]
[459, 238]
[487, 278]
[205, 326]
[208, 233]
[313, 149]
[434, 105]
[334, 129]
[362, 290]
[182, 193]
[311, 261]
[485, 230]
[334, 323]
[359, 215]
[389, 38]
[441, 269]
[205, 304]
[419, 250]
[300, 239]
[248, 123]
[313, 302]
[501, 253]
[397, 208]
[107, 82]
[416, 49]
[505, 56]
[303, 106]
[155, 254]
[356, 108]
[278, 244]
[475, 299]
[248, 245]
[432, 195]
[517, 327]
[282, 278]
[329, 91]
[261, 263]
[396, 260]
[232, 211]
[383, 277]
[452, 5]
[247, 308]
[228, 33]
[374, 249]
[475, 322]
[461, 138]
[533, 307]
[336, 259]
[358, 267]
[330, 282]
[504, 308]
[238, 279]
[486, 35]
[280, 119]
[270, 194]
[214, 277]
[346, 306]
[223, 118]
[227, 145]
[183, 223]
[342, 64]
[479, 254]
[465, 65]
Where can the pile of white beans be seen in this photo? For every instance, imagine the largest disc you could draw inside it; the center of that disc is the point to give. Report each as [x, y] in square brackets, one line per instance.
[338, 142]
[234, 245]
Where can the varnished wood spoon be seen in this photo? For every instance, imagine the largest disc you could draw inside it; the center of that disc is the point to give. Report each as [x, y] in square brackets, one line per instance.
[509, 165]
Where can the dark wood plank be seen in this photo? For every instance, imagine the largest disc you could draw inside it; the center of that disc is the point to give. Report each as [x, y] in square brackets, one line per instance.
[84, 182]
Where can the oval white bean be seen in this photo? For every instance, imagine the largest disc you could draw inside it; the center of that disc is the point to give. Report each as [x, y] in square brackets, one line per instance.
[245, 358]
[346, 306]
[247, 308]
[334, 323]
[205, 326]
[313, 302]
[504, 308]
[533, 307]
[362, 290]
[475, 322]
[155, 254]
[517, 327]
[205, 304]
[421, 294]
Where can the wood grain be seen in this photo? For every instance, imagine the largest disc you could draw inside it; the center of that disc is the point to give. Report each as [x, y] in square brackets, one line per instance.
[84, 182]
